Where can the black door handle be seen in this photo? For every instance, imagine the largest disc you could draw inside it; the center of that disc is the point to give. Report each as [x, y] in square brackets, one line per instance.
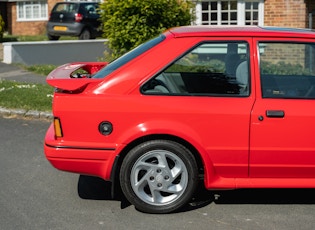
[275, 113]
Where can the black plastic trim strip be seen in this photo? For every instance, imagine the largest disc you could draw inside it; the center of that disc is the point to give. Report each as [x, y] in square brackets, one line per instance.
[77, 147]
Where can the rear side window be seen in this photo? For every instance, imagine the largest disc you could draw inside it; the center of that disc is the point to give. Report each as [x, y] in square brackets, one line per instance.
[287, 70]
[127, 57]
[210, 69]
[91, 8]
[66, 8]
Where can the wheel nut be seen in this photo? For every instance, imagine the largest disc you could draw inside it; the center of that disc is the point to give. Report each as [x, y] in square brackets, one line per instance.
[166, 177]
[159, 185]
[158, 170]
[151, 178]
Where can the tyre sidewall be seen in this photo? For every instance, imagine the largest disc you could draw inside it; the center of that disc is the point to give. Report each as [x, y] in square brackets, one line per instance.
[183, 153]
[85, 35]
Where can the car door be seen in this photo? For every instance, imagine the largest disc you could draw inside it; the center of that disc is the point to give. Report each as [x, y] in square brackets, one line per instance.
[282, 125]
[91, 16]
[209, 90]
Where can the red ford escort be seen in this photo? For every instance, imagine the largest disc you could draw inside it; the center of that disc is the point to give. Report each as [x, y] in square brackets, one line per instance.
[232, 107]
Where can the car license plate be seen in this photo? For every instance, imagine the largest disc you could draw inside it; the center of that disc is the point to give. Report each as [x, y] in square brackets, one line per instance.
[61, 28]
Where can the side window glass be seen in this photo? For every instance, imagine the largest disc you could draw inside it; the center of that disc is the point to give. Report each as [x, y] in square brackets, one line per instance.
[214, 69]
[90, 9]
[287, 70]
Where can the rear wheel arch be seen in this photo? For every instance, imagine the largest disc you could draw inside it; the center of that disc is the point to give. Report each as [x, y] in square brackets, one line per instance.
[117, 166]
[179, 140]
[85, 34]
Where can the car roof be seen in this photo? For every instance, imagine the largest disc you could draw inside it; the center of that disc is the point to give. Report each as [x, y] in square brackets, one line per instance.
[242, 31]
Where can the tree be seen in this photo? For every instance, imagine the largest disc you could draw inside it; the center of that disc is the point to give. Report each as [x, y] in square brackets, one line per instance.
[1, 27]
[129, 23]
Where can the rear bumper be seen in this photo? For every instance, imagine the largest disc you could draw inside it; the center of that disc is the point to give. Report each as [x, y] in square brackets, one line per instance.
[79, 159]
[73, 29]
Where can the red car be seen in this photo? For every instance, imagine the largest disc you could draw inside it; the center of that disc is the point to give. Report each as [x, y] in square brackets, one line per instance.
[232, 107]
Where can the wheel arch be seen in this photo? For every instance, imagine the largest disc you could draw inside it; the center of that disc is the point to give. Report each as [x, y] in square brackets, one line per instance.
[84, 28]
[202, 160]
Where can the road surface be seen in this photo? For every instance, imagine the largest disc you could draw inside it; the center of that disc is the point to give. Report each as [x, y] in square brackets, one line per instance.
[34, 195]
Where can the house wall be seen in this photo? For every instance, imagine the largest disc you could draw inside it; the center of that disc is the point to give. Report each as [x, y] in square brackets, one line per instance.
[9, 16]
[26, 27]
[286, 13]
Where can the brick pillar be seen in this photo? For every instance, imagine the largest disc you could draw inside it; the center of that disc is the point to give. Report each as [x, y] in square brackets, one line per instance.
[286, 13]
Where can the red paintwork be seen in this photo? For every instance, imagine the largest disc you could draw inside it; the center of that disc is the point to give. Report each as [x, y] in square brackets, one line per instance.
[237, 150]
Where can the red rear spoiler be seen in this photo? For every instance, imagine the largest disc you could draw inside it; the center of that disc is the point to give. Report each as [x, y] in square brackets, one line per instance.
[62, 77]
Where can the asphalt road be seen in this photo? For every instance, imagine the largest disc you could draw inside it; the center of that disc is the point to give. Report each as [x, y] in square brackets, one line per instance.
[34, 195]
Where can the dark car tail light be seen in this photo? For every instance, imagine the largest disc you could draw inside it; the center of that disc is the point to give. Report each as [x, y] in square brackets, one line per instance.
[78, 17]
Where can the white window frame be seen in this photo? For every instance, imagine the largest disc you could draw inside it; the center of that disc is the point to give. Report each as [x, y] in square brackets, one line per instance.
[39, 7]
[241, 11]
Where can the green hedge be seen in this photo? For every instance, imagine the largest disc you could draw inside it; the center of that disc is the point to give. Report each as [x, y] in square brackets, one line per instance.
[282, 68]
[1, 27]
[129, 23]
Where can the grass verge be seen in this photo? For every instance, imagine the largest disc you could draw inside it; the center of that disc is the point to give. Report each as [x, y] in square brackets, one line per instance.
[40, 69]
[15, 95]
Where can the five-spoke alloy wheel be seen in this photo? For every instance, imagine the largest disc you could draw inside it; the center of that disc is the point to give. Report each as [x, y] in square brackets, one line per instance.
[159, 176]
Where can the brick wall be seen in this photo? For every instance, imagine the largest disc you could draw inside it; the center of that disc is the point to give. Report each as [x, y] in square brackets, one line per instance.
[26, 27]
[285, 53]
[286, 13]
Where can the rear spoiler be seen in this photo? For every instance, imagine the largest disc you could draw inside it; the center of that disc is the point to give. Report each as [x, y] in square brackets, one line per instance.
[65, 77]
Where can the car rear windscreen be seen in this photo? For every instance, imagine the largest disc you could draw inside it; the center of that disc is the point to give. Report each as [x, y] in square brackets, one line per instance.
[66, 8]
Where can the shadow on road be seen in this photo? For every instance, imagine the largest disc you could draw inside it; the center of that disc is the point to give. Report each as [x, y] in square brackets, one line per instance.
[266, 196]
[97, 189]
[94, 188]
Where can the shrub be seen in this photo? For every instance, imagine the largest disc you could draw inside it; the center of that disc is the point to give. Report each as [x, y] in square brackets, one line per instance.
[282, 68]
[129, 23]
[1, 27]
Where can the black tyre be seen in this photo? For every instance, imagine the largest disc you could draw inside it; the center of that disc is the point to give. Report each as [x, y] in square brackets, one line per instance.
[159, 176]
[53, 38]
[85, 34]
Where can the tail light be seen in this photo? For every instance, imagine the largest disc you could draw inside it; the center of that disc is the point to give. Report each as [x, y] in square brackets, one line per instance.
[57, 127]
[78, 17]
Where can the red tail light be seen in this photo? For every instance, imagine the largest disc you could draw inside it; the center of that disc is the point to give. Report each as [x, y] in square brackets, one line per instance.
[78, 17]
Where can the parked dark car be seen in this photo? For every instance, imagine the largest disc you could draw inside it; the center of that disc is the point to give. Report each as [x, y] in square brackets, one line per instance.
[74, 19]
